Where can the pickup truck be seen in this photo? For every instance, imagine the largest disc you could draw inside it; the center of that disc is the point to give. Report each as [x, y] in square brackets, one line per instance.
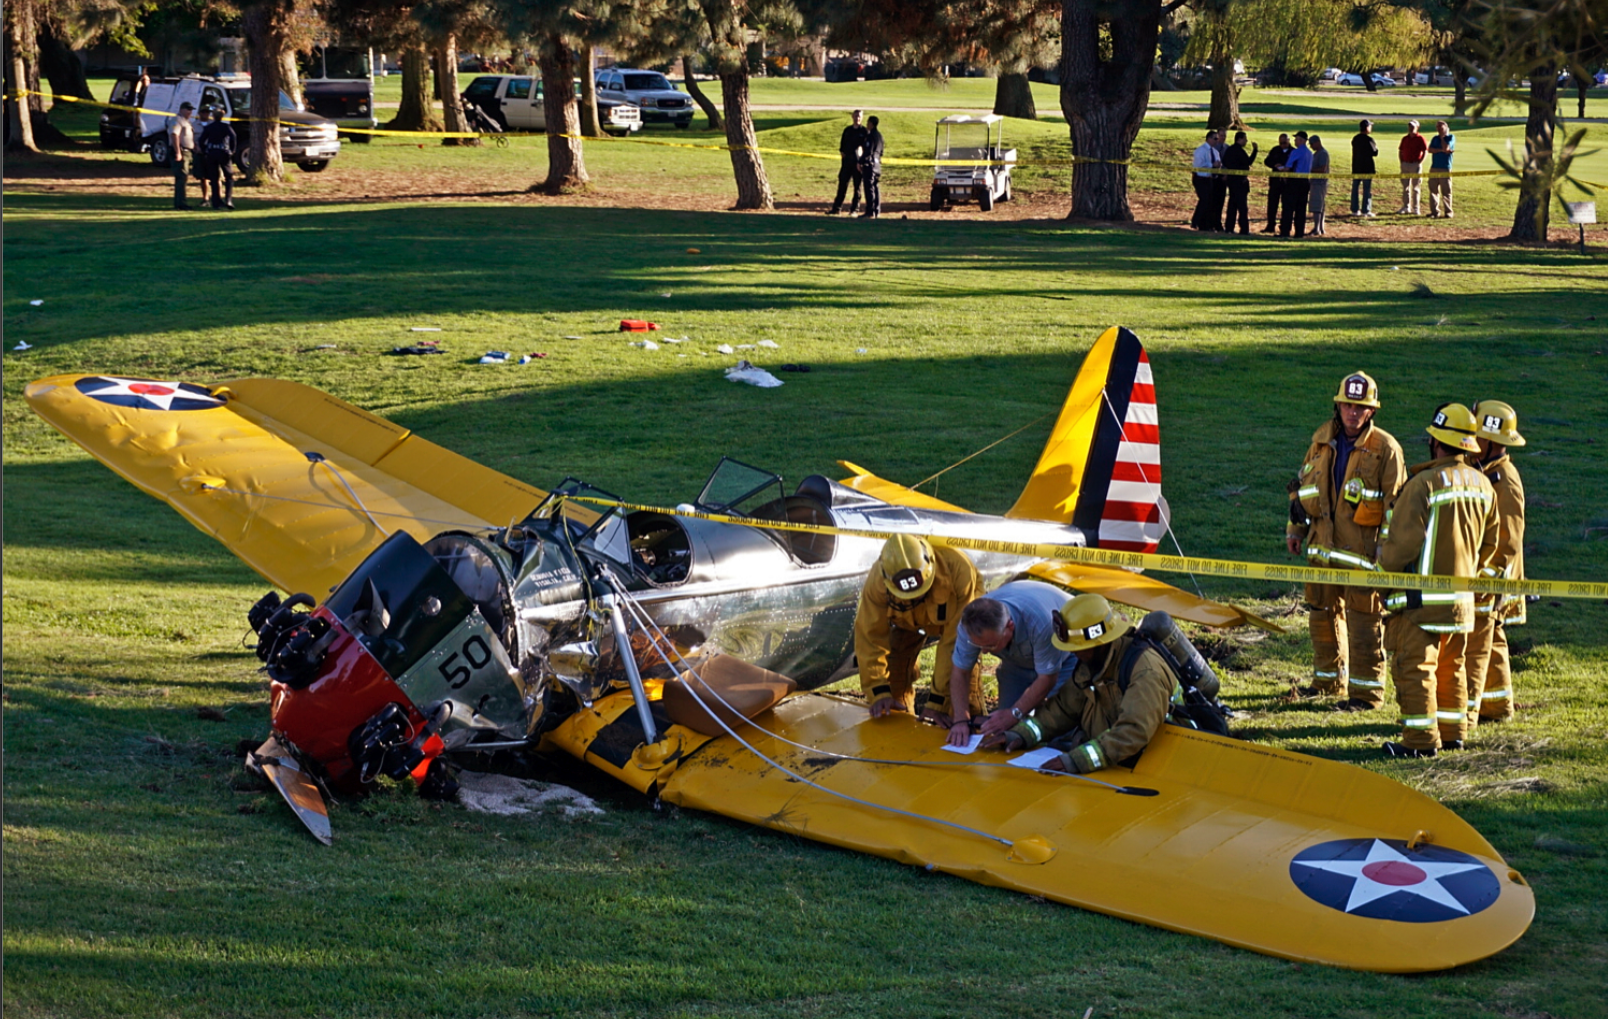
[660, 101]
[305, 139]
[517, 102]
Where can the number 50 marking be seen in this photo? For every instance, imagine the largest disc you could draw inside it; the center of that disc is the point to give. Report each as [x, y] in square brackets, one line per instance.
[475, 652]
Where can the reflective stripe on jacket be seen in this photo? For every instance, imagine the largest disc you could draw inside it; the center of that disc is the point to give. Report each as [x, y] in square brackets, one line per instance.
[1442, 524]
[955, 585]
[1117, 724]
[1344, 531]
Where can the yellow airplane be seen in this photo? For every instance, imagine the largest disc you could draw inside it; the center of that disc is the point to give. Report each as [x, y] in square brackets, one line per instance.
[468, 611]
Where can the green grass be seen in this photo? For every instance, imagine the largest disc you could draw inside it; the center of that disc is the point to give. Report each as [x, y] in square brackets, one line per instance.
[143, 874]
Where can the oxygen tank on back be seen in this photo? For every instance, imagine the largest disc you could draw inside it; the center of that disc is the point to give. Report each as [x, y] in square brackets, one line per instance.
[1159, 627]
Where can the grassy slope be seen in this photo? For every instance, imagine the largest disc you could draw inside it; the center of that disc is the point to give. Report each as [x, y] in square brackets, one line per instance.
[134, 885]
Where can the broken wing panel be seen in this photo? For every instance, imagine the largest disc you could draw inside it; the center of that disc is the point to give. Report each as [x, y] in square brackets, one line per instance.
[1148, 593]
[236, 464]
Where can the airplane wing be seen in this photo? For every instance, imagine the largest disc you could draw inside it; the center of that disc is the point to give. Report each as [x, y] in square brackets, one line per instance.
[298, 484]
[1277, 852]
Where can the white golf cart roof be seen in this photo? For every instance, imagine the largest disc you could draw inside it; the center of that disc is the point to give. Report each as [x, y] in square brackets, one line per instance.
[965, 118]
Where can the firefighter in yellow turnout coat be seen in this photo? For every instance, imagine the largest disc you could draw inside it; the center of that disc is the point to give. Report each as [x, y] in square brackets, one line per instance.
[1489, 677]
[1352, 470]
[913, 597]
[1443, 523]
[1110, 724]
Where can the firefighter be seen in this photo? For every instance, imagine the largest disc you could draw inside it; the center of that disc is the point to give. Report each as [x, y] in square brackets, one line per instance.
[1443, 523]
[912, 598]
[1352, 470]
[1112, 706]
[1490, 681]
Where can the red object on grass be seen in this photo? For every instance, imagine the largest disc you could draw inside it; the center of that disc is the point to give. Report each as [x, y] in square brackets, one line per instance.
[636, 325]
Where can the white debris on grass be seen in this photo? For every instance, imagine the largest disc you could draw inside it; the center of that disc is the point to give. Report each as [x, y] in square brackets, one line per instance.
[725, 348]
[494, 357]
[573, 337]
[506, 795]
[742, 371]
[745, 346]
[23, 345]
[36, 302]
[768, 344]
[424, 329]
[646, 345]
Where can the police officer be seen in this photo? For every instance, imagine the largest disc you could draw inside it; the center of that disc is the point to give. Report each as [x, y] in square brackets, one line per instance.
[1489, 678]
[912, 598]
[871, 170]
[1442, 523]
[218, 144]
[849, 148]
[1108, 724]
[1352, 470]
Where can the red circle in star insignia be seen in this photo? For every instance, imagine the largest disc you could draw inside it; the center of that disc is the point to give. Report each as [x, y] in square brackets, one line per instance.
[1393, 872]
[149, 389]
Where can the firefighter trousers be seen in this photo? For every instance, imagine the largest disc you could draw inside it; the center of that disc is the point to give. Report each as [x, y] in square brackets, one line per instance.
[904, 669]
[1348, 650]
[1490, 677]
[1456, 702]
[1414, 655]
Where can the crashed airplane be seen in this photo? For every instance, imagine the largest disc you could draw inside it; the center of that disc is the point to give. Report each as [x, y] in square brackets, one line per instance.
[469, 612]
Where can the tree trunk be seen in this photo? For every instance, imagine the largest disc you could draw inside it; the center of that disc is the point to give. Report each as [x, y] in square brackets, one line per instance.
[1367, 81]
[1225, 112]
[753, 187]
[416, 111]
[698, 96]
[591, 126]
[20, 48]
[1581, 85]
[265, 26]
[290, 76]
[446, 58]
[1535, 195]
[1013, 97]
[59, 64]
[1459, 92]
[1104, 99]
[566, 162]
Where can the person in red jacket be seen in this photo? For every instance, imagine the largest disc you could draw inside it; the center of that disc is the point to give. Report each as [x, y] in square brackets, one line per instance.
[1412, 150]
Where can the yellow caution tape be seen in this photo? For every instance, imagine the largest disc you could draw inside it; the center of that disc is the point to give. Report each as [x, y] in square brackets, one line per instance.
[801, 154]
[1165, 563]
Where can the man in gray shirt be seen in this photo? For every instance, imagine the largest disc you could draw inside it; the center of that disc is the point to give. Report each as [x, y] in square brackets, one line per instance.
[1013, 624]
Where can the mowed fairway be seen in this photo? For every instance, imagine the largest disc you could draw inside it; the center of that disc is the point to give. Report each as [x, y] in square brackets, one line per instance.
[145, 874]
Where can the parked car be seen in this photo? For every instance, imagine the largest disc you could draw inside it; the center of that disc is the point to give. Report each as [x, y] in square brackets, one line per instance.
[651, 91]
[306, 139]
[517, 102]
[1331, 74]
[1379, 80]
[1435, 76]
[338, 82]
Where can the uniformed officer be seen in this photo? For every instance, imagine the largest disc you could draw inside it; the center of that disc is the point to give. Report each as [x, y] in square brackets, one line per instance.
[1352, 470]
[912, 598]
[1489, 678]
[1109, 724]
[1443, 523]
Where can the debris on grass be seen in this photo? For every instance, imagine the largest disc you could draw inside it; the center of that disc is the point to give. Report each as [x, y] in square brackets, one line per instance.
[506, 795]
[637, 325]
[725, 348]
[646, 345]
[36, 302]
[767, 344]
[743, 371]
[424, 329]
[494, 357]
[23, 345]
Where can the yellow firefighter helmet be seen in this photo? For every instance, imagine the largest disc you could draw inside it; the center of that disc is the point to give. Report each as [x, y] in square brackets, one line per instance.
[1358, 388]
[1498, 422]
[907, 566]
[1087, 621]
[1454, 426]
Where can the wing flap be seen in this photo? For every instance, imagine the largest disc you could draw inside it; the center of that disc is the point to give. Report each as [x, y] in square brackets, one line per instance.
[1148, 593]
[881, 488]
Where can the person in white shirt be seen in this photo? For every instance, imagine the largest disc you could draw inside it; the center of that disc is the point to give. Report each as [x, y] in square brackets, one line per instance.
[181, 141]
[1206, 160]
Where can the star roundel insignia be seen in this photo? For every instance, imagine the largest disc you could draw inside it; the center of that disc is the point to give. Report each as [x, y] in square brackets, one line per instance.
[1385, 880]
[147, 394]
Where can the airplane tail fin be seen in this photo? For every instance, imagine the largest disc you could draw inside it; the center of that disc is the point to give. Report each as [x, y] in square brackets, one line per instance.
[1101, 468]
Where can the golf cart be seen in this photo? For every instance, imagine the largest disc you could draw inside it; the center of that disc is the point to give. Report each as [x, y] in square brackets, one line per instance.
[981, 170]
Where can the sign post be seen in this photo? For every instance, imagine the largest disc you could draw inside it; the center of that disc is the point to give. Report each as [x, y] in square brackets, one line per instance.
[1581, 213]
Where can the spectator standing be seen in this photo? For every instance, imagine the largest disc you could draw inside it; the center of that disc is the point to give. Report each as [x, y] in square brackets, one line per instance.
[849, 147]
[1441, 148]
[1219, 182]
[1318, 193]
[1206, 160]
[871, 169]
[181, 141]
[1412, 150]
[1275, 161]
[1239, 186]
[218, 145]
[1296, 188]
[1364, 150]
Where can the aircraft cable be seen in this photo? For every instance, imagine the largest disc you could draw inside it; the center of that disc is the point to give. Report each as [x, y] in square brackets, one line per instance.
[1166, 517]
[980, 452]
[650, 628]
[319, 458]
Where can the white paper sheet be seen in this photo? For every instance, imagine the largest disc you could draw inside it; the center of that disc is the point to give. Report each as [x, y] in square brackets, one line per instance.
[970, 747]
[1035, 758]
